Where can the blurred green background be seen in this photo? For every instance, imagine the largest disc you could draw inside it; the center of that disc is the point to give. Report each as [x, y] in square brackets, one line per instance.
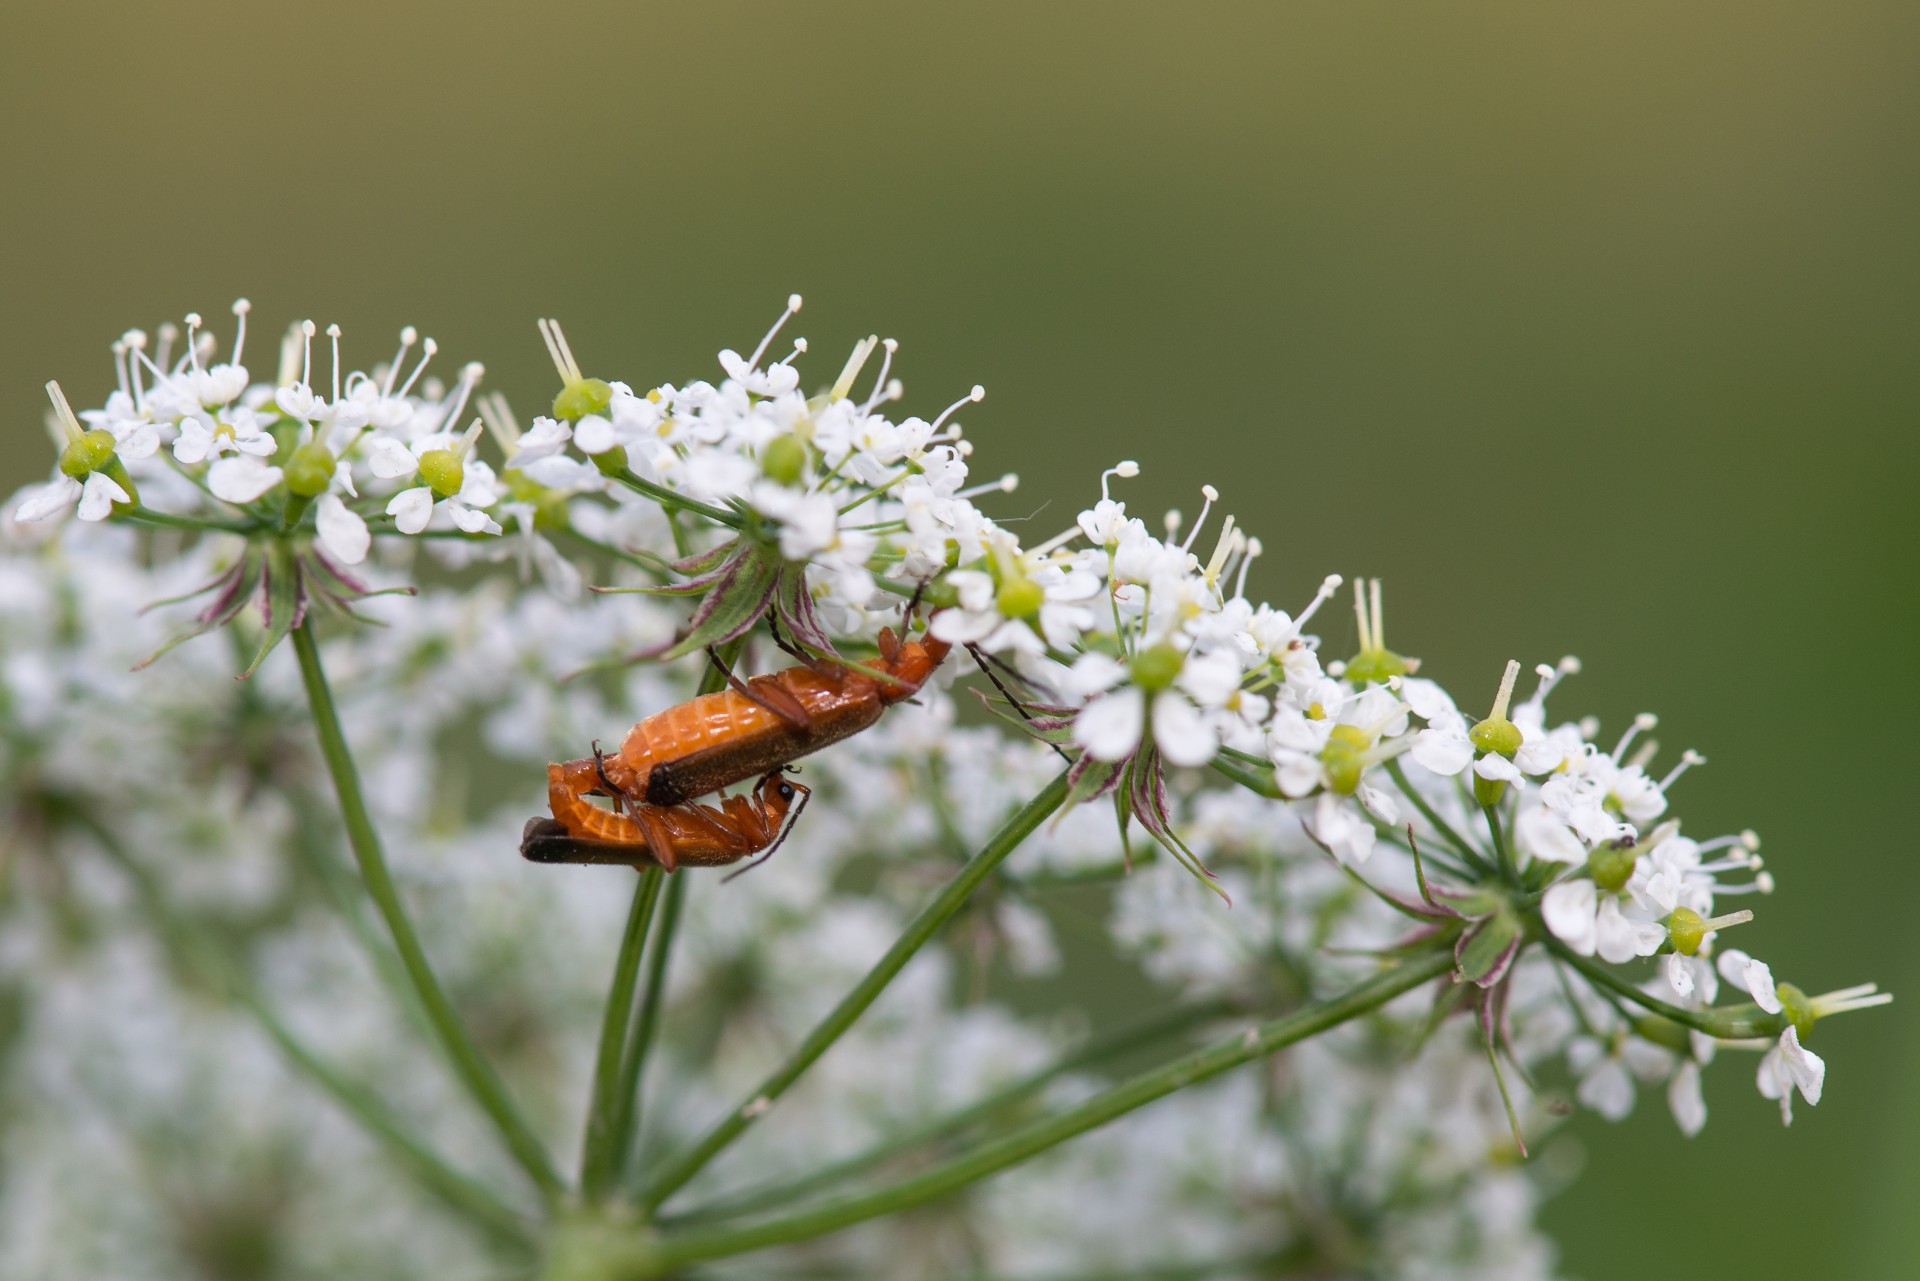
[1590, 329]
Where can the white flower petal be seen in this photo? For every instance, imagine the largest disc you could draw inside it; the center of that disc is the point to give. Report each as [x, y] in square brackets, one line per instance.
[46, 500]
[341, 533]
[1183, 734]
[1684, 1097]
[389, 459]
[411, 509]
[241, 478]
[99, 494]
[1109, 726]
[1568, 910]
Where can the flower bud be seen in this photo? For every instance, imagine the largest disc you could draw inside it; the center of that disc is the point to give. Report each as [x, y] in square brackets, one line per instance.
[1496, 734]
[582, 397]
[442, 471]
[784, 460]
[87, 453]
[1686, 930]
[1154, 668]
[1612, 866]
[1343, 758]
[1021, 597]
[310, 470]
[1795, 1005]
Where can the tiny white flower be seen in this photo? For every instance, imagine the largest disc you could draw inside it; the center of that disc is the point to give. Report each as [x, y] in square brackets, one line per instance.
[1684, 1097]
[340, 531]
[1788, 1066]
[241, 478]
[1750, 976]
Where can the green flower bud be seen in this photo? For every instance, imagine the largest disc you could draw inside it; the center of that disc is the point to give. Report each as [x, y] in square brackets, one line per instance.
[442, 470]
[1686, 930]
[549, 505]
[1488, 791]
[1612, 865]
[1021, 597]
[1377, 666]
[87, 453]
[1496, 734]
[784, 460]
[582, 397]
[1344, 758]
[1154, 668]
[310, 470]
[1795, 1005]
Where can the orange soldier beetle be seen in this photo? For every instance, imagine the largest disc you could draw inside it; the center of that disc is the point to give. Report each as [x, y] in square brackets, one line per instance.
[753, 727]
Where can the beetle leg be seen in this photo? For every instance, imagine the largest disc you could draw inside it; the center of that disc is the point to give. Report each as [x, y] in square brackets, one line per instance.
[765, 692]
[659, 840]
[600, 768]
[806, 794]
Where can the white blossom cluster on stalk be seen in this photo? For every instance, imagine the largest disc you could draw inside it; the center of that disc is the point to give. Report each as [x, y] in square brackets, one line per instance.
[1259, 827]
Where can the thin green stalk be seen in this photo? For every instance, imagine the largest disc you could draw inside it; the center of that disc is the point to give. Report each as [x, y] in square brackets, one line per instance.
[1500, 849]
[1110, 1045]
[1734, 1023]
[1440, 825]
[193, 950]
[601, 1143]
[166, 520]
[677, 1250]
[855, 1003]
[473, 1070]
[634, 1065]
[680, 502]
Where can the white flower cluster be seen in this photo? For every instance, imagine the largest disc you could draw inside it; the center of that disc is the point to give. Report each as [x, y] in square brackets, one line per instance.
[205, 438]
[1347, 802]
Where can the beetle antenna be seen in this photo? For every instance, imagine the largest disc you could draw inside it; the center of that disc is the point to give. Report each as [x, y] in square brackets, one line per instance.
[986, 662]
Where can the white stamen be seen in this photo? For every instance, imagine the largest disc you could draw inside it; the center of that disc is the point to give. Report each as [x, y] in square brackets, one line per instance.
[1060, 539]
[495, 413]
[464, 445]
[1641, 723]
[1726, 922]
[168, 333]
[240, 309]
[120, 366]
[563, 362]
[1207, 495]
[1328, 586]
[963, 448]
[333, 333]
[793, 305]
[1230, 539]
[1246, 563]
[427, 349]
[469, 375]
[64, 412]
[1379, 615]
[1863, 997]
[1125, 470]
[1171, 522]
[306, 354]
[851, 370]
[408, 336]
[1500, 700]
[1360, 614]
[1643, 755]
[1005, 485]
[1688, 759]
[289, 356]
[973, 397]
[883, 389]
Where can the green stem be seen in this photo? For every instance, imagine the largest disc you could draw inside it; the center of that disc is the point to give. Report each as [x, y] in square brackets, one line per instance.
[468, 1064]
[680, 502]
[676, 1251]
[1248, 779]
[1500, 849]
[1474, 857]
[634, 1065]
[165, 520]
[192, 948]
[1110, 1045]
[855, 1003]
[601, 1142]
[1734, 1023]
